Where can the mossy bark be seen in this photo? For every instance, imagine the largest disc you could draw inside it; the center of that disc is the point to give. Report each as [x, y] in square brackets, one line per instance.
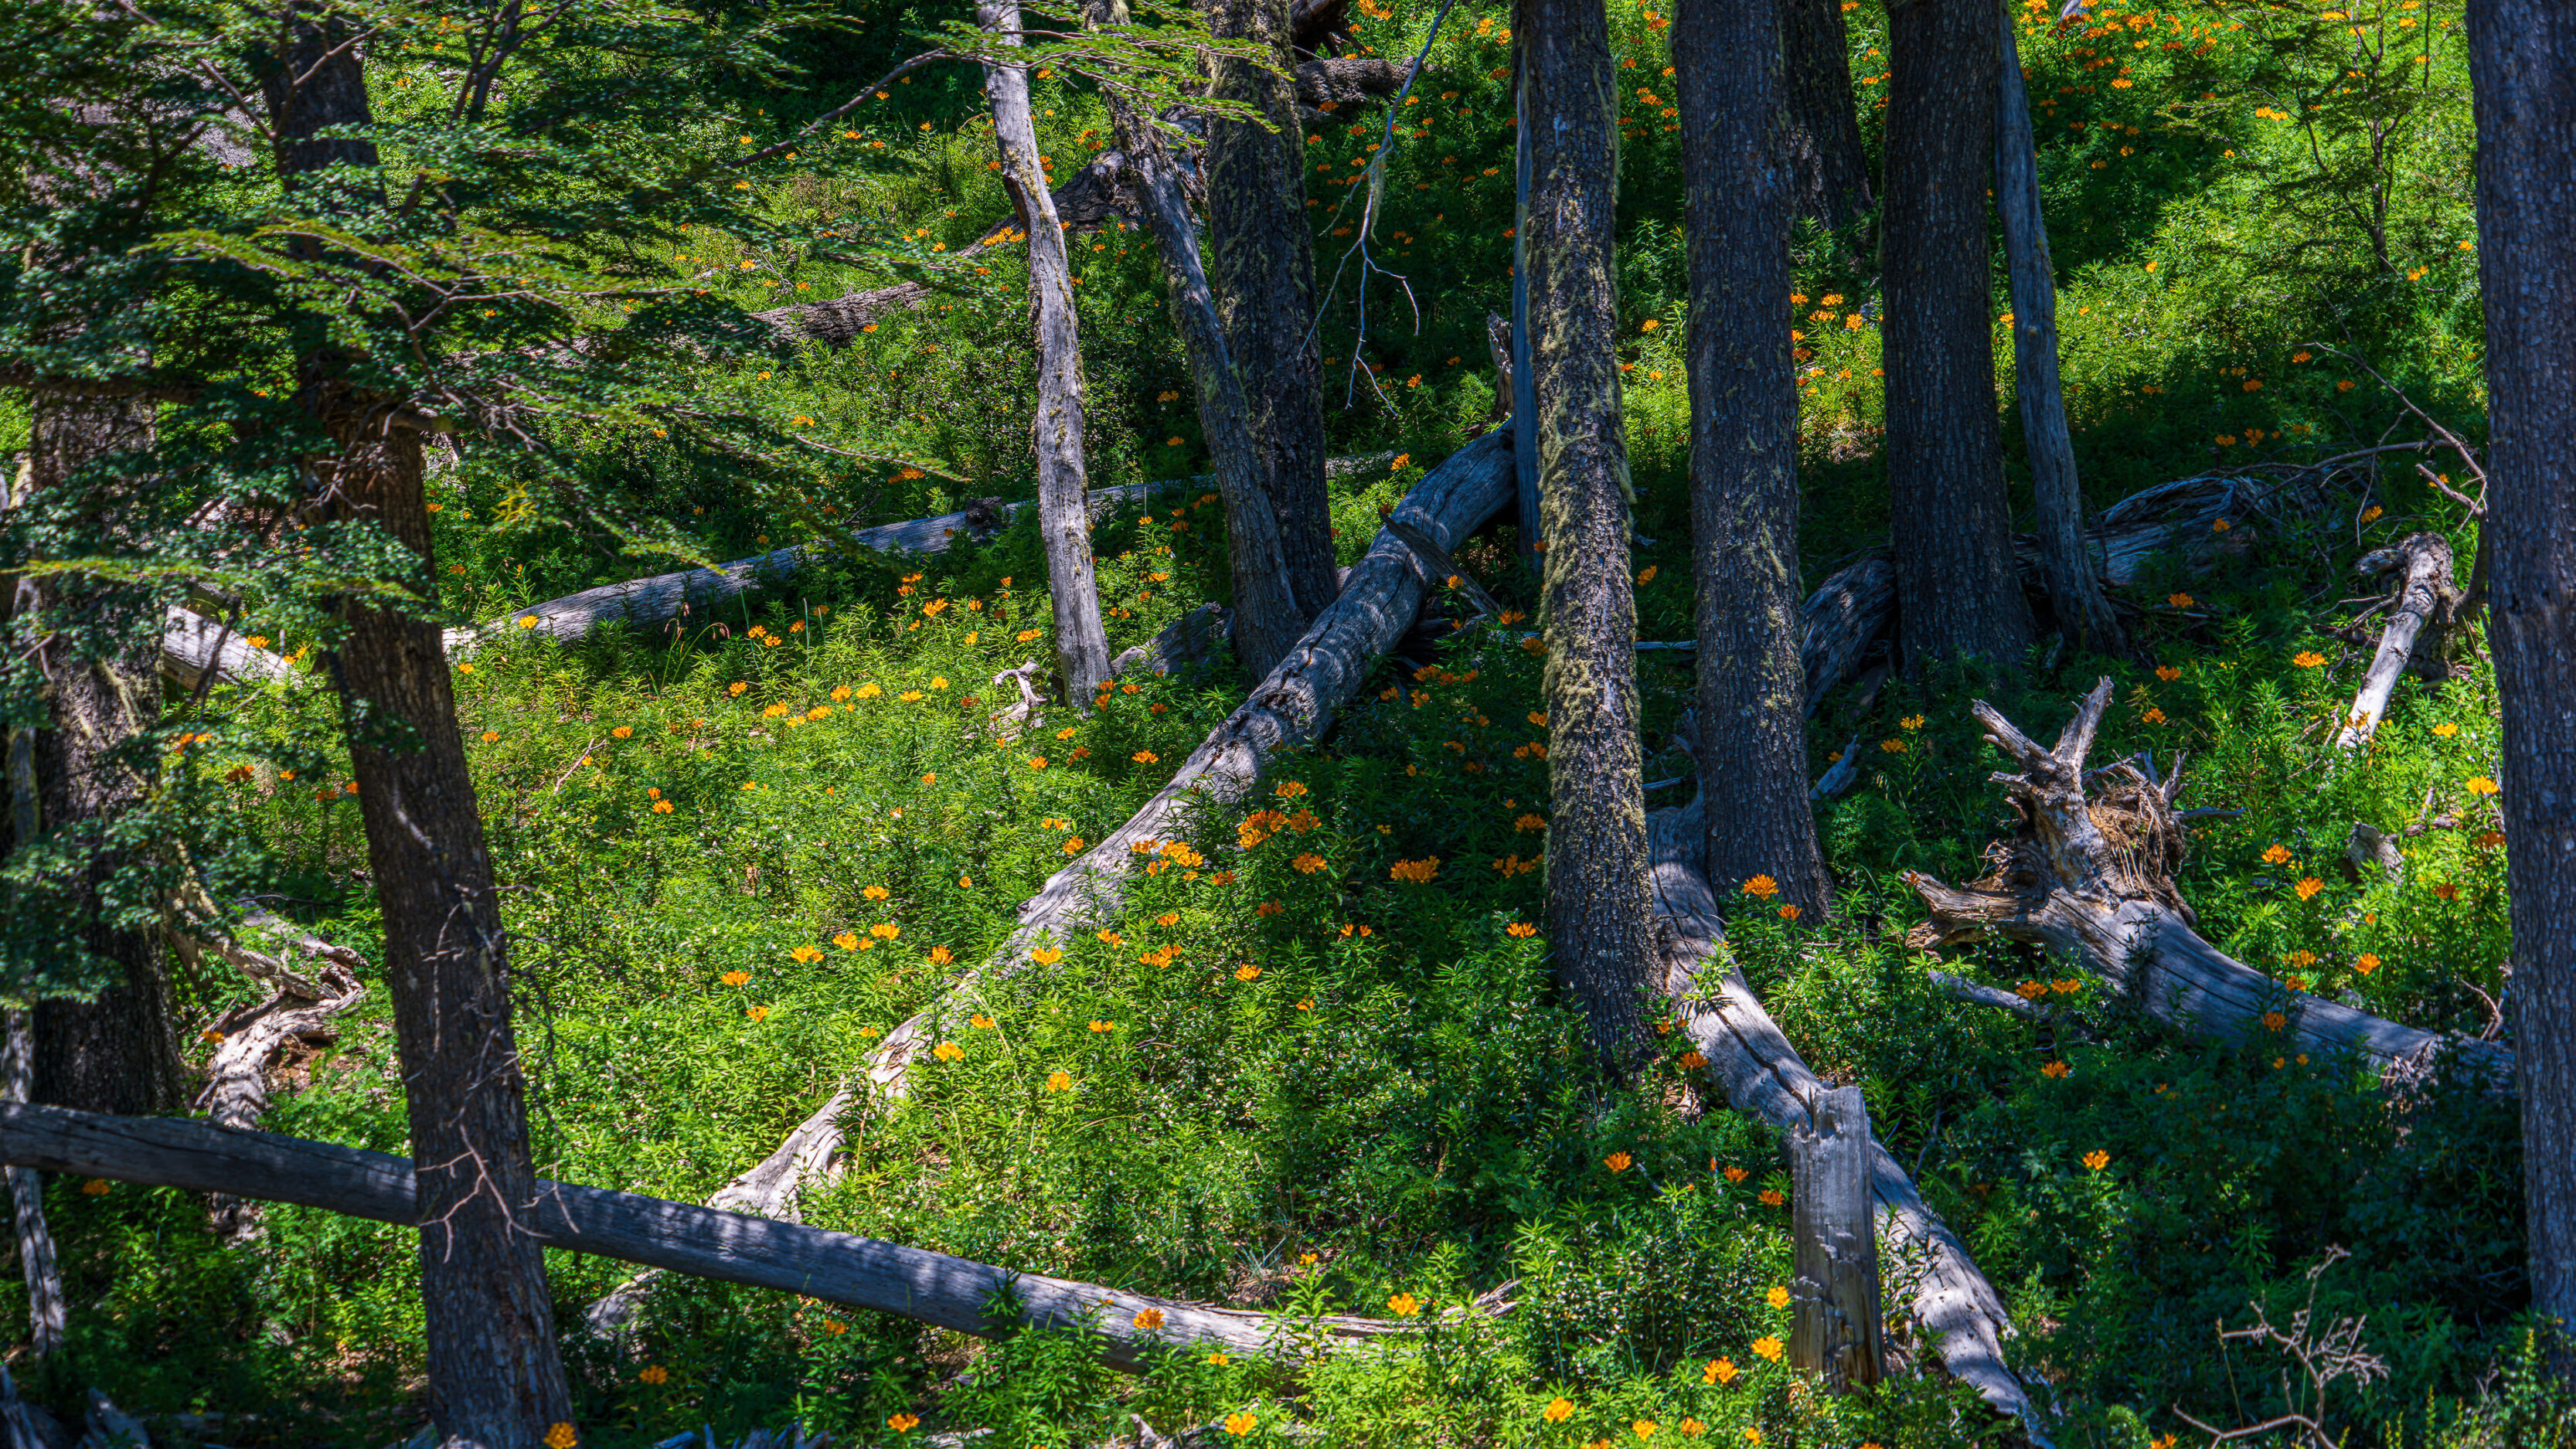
[495, 1374]
[1261, 270]
[1064, 521]
[1744, 454]
[1956, 590]
[1599, 933]
[2522, 59]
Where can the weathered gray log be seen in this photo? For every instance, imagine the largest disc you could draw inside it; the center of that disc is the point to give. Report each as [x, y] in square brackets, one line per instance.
[1056, 431]
[1381, 595]
[1835, 1329]
[249, 1037]
[1844, 773]
[2084, 614]
[2427, 598]
[1846, 614]
[2090, 871]
[47, 1318]
[191, 644]
[862, 1273]
[1763, 1077]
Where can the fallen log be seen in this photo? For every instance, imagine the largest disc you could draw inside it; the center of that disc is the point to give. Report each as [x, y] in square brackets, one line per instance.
[863, 1273]
[1763, 1077]
[2091, 875]
[2426, 597]
[1380, 597]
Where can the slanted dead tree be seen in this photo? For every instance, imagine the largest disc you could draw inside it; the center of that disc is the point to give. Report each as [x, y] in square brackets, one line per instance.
[2084, 614]
[2089, 871]
[2417, 637]
[1064, 519]
[866, 1273]
[1379, 600]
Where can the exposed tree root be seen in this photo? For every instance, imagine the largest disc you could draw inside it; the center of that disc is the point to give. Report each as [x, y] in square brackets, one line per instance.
[1763, 1076]
[2418, 632]
[2092, 875]
[863, 1273]
[1380, 597]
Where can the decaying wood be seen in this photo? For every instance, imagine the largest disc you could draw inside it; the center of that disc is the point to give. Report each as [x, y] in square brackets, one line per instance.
[47, 1318]
[192, 643]
[2089, 871]
[862, 1273]
[1849, 612]
[1380, 597]
[1835, 1330]
[1763, 1076]
[2418, 628]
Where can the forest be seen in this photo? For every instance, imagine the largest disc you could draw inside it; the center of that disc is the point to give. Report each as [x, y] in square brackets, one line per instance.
[1340, 723]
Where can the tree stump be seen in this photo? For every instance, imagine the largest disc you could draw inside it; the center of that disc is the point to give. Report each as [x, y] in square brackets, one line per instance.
[1835, 1329]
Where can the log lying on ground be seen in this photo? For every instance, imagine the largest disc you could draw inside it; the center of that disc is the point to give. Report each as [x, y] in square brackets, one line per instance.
[2091, 874]
[863, 1273]
[1380, 596]
[2427, 598]
[191, 644]
[1764, 1077]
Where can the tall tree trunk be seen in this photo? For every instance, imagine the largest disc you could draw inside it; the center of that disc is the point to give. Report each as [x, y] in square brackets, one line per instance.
[1064, 514]
[2522, 59]
[1523, 378]
[2084, 613]
[1261, 269]
[1598, 905]
[1744, 446]
[1267, 621]
[495, 1376]
[119, 1052]
[1820, 133]
[1957, 592]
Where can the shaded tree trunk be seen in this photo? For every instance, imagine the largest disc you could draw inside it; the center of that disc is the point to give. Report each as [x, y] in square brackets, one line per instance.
[1261, 270]
[2084, 613]
[1599, 933]
[119, 1052]
[1819, 136]
[1064, 520]
[2522, 57]
[1267, 620]
[1744, 442]
[1956, 590]
[495, 1376]
[1521, 376]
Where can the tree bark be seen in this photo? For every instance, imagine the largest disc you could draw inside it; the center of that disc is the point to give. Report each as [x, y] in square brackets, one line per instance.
[495, 1376]
[1835, 1330]
[1261, 269]
[1064, 519]
[118, 1052]
[1266, 617]
[1955, 589]
[1597, 903]
[1819, 138]
[2084, 613]
[2522, 64]
[1521, 376]
[1744, 440]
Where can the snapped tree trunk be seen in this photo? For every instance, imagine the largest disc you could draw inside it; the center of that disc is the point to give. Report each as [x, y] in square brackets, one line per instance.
[119, 1051]
[1744, 440]
[1064, 521]
[2084, 613]
[1597, 903]
[1261, 270]
[1266, 617]
[495, 1376]
[1819, 138]
[2522, 64]
[1956, 593]
[2427, 597]
[1835, 1330]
